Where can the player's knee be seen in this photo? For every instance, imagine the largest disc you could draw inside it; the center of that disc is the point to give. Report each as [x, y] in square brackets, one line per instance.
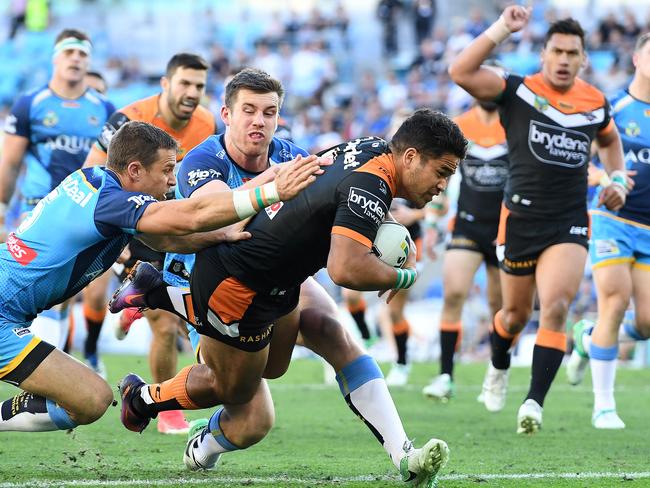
[255, 433]
[642, 326]
[95, 405]
[515, 319]
[454, 299]
[556, 311]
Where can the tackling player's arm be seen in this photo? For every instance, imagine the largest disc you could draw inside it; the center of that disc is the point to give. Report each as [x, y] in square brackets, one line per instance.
[191, 243]
[483, 82]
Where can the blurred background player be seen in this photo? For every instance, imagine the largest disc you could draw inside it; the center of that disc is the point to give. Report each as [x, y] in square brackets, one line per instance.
[544, 225]
[474, 232]
[620, 251]
[176, 110]
[51, 130]
[96, 81]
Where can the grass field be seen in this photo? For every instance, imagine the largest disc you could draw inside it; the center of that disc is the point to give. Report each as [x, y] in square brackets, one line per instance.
[318, 442]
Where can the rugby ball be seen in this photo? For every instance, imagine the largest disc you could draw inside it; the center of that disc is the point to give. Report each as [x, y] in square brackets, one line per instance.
[392, 244]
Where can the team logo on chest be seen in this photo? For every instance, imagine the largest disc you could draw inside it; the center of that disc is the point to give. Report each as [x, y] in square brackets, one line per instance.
[541, 103]
[632, 129]
[50, 119]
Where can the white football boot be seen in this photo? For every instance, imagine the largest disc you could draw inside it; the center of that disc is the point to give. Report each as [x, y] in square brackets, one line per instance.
[529, 417]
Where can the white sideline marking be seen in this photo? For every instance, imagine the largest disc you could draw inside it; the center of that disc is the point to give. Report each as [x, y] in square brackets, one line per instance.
[314, 481]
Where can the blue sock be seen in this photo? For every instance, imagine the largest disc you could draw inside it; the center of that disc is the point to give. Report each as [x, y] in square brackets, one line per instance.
[217, 433]
[357, 373]
[59, 416]
[603, 353]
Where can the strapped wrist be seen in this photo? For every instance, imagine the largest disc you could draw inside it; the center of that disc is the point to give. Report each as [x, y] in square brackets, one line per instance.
[405, 278]
[498, 32]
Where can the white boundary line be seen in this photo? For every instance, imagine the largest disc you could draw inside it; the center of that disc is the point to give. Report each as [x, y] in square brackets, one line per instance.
[274, 480]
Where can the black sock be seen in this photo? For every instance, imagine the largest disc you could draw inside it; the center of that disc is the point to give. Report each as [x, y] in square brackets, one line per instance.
[360, 319]
[159, 298]
[500, 350]
[94, 328]
[448, 340]
[400, 341]
[546, 362]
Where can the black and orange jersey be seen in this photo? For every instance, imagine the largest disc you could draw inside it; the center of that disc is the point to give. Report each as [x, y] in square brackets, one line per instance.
[200, 126]
[291, 240]
[549, 135]
[484, 170]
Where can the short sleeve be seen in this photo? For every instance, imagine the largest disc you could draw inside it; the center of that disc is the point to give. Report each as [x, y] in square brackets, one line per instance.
[114, 122]
[200, 166]
[510, 84]
[17, 122]
[363, 203]
[608, 122]
[119, 211]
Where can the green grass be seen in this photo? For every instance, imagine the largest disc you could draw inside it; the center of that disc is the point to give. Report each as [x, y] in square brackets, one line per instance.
[317, 441]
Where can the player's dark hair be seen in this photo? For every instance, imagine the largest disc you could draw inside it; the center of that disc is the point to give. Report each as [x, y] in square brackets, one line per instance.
[77, 34]
[431, 133]
[255, 80]
[185, 60]
[137, 141]
[100, 77]
[642, 41]
[566, 26]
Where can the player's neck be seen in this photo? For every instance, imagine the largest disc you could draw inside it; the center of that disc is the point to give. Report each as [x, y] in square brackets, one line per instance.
[169, 117]
[67, 89]
[487, 117]
[640, 88]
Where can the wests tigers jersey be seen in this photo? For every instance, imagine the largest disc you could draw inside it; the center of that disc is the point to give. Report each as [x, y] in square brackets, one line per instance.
[549, 136]
[291, 240]
[484, 170]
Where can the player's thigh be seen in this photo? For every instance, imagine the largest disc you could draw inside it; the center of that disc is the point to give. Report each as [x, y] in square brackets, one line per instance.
[641, 293]
[254, 418]
[351, 297]
[94, 294]
[285, 332]
[517, 292]
[458, 271]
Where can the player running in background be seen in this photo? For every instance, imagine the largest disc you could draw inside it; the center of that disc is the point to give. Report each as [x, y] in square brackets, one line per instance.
[620, 251]
[550, 119]
[96, 81]
[238, 293]
[50, 130]
[76, 233]
[474, 233]
[175, 110]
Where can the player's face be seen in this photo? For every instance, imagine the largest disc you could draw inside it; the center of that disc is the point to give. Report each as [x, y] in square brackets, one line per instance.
[424, 177]
[183, 92]
[71, 65]
[252, 121]
[641, 61]
[562, 58]
[159, 178]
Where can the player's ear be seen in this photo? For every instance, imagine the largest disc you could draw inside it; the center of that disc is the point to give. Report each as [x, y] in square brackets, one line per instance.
[409, 156]
[225, 114]
[164, 83]
[134, 170]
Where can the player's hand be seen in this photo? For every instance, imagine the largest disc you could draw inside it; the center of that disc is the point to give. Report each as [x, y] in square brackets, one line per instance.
[124, 256]
[516, 17]
[612, 196]
[594, 174]
[390, 295]
[235, 232]
[295, 176]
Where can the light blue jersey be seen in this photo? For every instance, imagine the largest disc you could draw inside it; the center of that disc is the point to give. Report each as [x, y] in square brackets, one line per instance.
[60, 133]
[206, 162]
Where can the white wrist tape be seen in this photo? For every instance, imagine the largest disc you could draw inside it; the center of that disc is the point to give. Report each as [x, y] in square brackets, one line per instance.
[498, 32]
[241, 200]
[270, 193]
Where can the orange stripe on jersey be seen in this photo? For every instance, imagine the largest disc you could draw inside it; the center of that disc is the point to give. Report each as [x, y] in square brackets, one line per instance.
[581, 97]
[503, 218]
[189, 308]
[474, 129]
[200, 126]
[352, 234]
[384, 167]
[230, 300]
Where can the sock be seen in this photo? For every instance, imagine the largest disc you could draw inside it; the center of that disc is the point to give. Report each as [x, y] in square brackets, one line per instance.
[501, 341]
[450, 338]
[603, 375]
[168, 395]
[212, 442]
[362, 384]
[27, 412]
[173, 299]
[358, 312]
[94, 322]
[401, 330]
[548, 353]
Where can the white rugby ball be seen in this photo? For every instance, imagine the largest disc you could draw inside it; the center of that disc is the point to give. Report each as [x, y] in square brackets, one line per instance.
[392, 244]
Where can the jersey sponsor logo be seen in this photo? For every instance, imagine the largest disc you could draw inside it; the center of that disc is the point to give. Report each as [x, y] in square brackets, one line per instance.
[485, 176]
[10, 124]
[605, 248]
[366, 205]
[196, 175]
[140, 200]
[558, 146]
[262, 336]
[350, 153]
[21, 331]
[640, 156]
[69, 144]
[577, 230]
[20, 251]
[272, 210]
[70, 187]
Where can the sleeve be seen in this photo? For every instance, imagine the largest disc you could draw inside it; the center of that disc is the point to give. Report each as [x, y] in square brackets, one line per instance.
[608, 122]
[363, 203]
[114, 122]
[200, 166]
[510, 84]
[17, 122]
[119, 211]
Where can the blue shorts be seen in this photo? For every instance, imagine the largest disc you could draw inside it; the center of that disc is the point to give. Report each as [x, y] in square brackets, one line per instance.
[615, 240]
[20, 351]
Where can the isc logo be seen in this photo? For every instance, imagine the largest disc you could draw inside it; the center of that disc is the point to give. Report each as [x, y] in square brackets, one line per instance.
[579, 231]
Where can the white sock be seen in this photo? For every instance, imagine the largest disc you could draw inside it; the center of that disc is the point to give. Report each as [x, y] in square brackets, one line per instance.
[48, 329]
[27, 412]
[603, 376]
